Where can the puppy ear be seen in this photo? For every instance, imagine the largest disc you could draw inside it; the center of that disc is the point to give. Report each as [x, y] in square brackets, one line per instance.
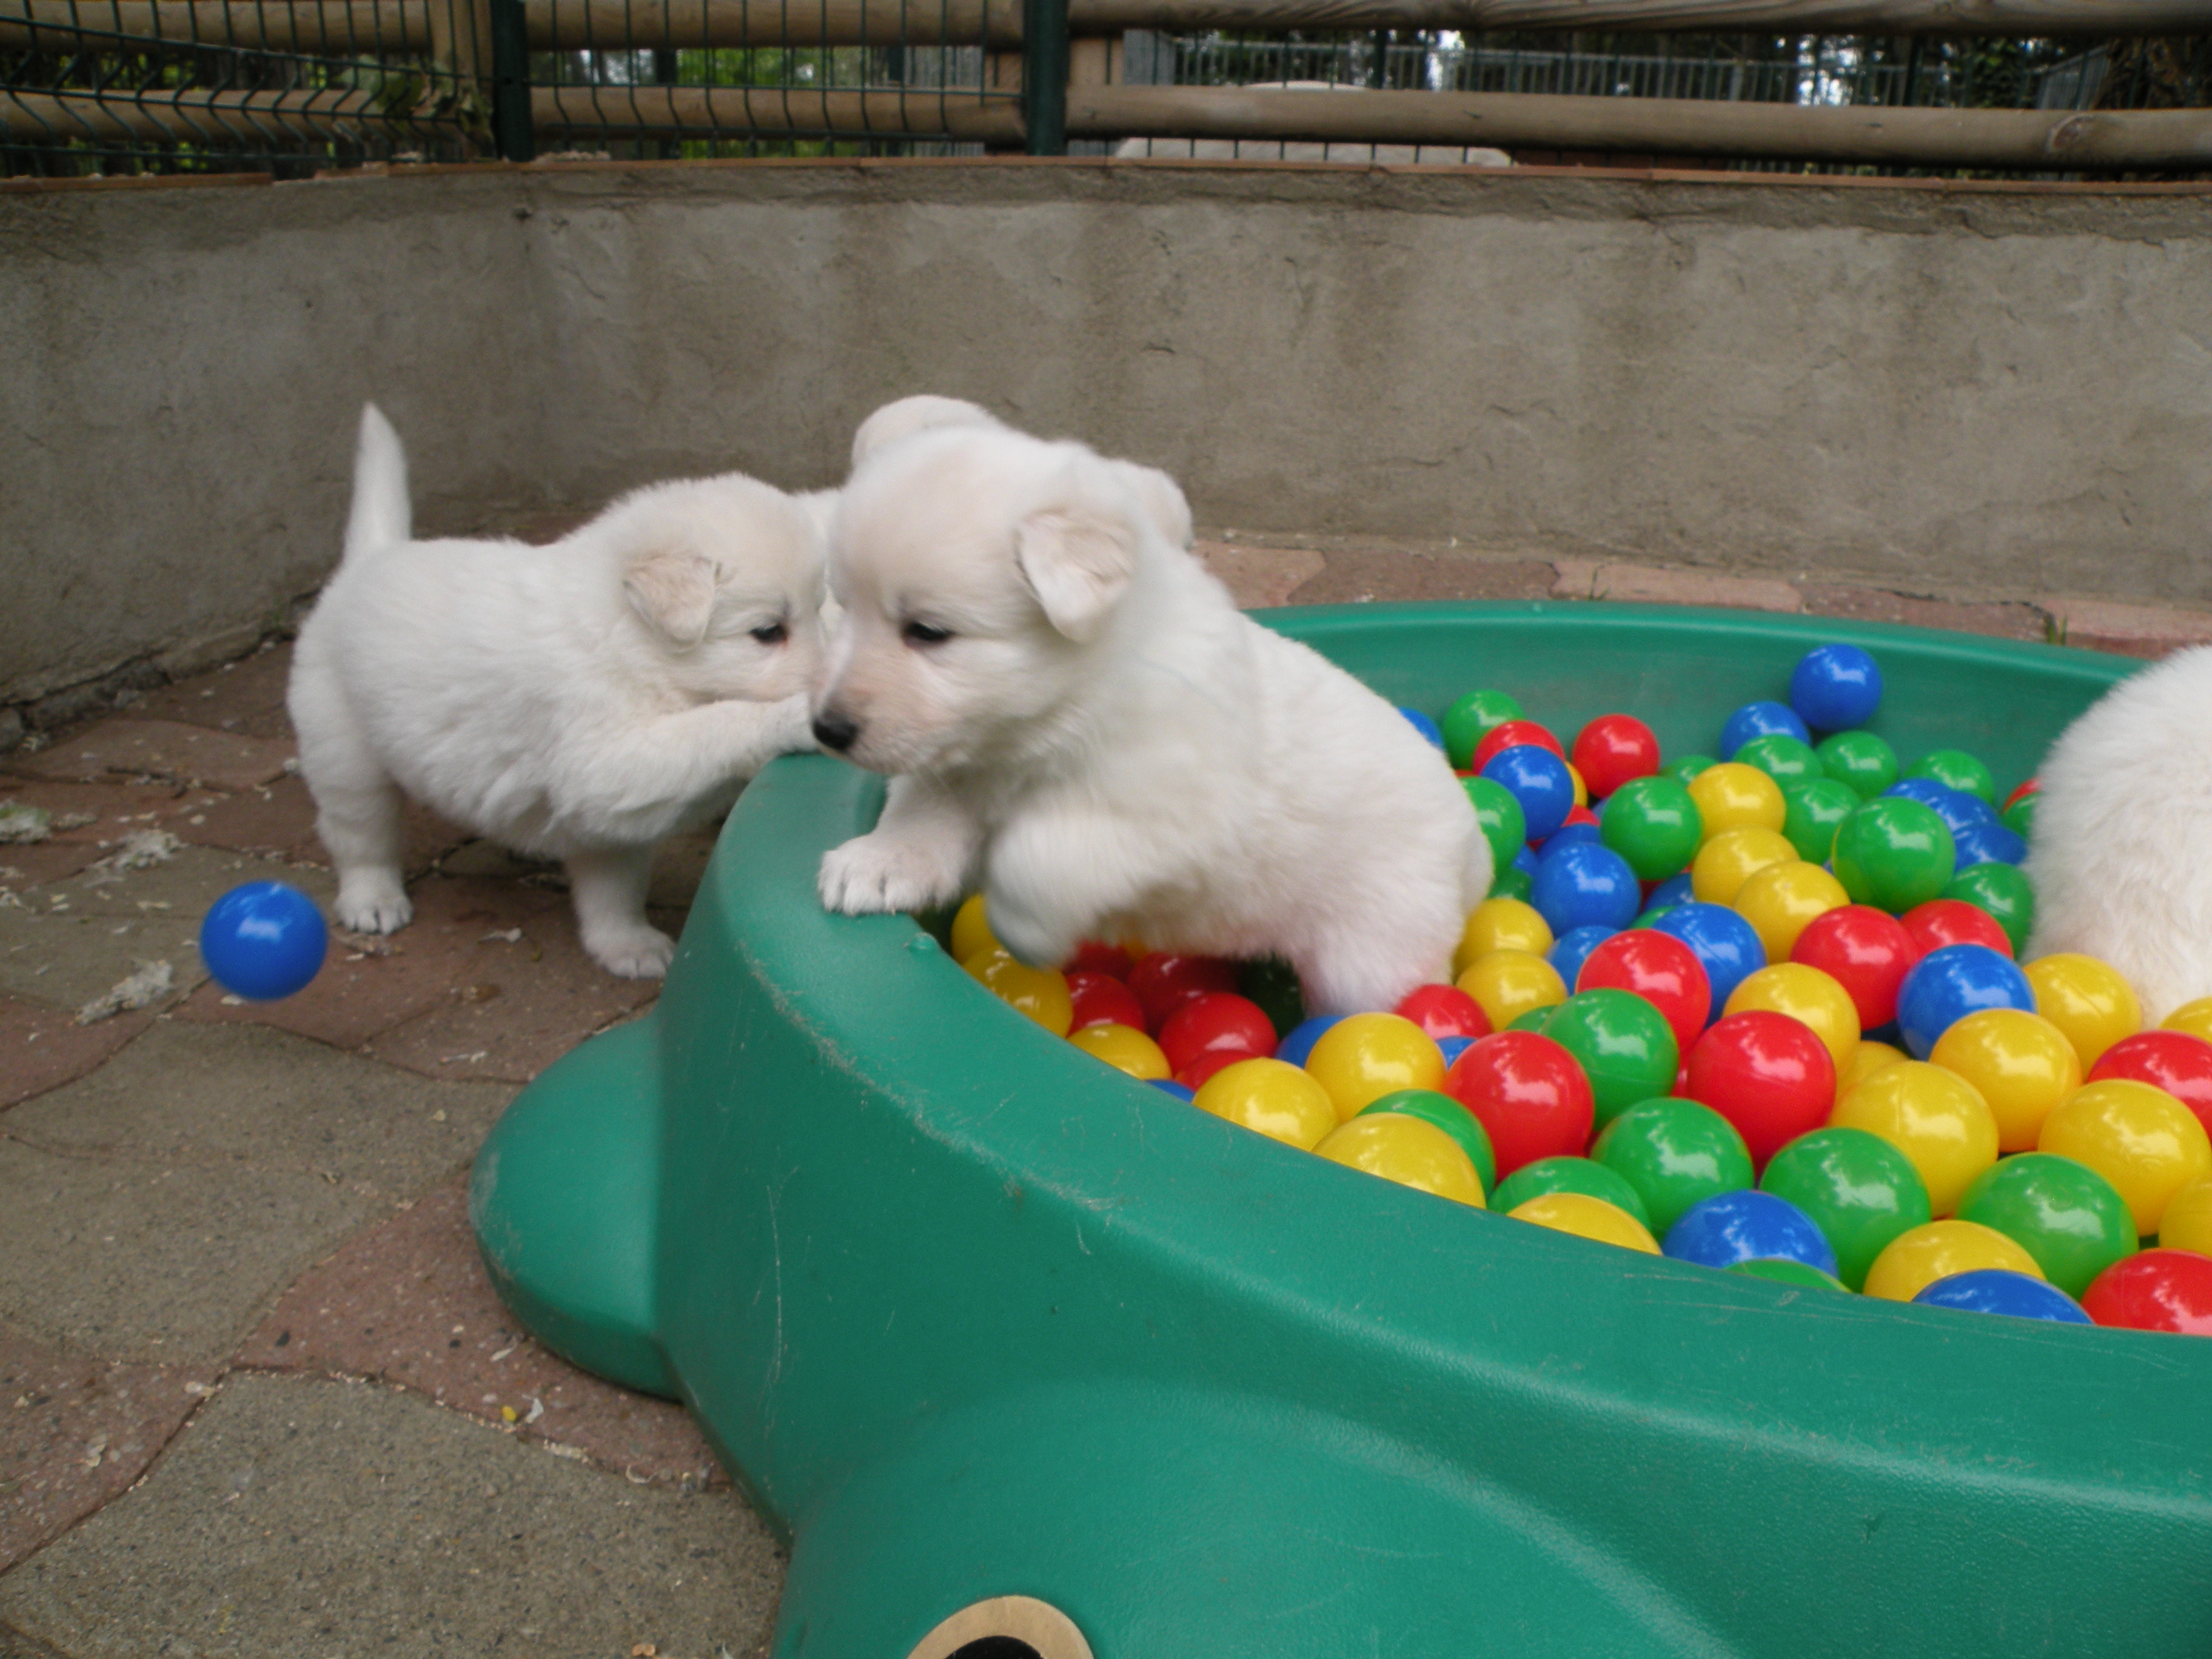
[675, 595]
[1162, 498]
[1077, 562]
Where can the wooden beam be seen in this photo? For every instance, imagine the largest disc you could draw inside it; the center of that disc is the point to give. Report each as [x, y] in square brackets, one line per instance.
[187, 117]
[322, 29]
[690, 111]
[1967, 17]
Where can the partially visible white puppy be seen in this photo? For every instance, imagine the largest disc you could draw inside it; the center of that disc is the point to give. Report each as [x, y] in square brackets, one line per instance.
[2121, 859]
[580, 701]
[1075, 711]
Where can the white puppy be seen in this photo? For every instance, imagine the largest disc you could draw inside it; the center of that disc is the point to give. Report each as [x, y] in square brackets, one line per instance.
[1075, 711]
[580, 701]
[2119, 858]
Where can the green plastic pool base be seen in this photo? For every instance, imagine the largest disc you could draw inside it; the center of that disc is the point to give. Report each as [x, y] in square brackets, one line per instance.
[969, 1316]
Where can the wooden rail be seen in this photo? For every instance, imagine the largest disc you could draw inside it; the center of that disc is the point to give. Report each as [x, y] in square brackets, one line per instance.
[959, 114]
[185, 117]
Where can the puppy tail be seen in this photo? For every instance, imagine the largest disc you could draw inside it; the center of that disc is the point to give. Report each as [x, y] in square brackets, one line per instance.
[381, 515]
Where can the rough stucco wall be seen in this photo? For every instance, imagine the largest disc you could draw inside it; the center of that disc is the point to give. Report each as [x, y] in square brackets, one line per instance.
[1949, 386]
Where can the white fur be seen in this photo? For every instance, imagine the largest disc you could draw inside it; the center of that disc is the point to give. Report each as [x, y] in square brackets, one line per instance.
[580, 701]
[2118, 860]
[1108, 743]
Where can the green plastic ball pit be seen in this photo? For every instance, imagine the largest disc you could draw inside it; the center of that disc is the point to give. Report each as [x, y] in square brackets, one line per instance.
[971, 1316]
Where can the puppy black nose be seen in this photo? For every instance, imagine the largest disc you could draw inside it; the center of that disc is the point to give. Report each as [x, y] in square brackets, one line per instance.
[832, 731]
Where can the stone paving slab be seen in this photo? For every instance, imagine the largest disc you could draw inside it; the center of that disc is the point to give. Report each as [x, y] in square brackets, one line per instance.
[246, 696]
[1359, 576]
[2005, 621]
[43, 1046]
[336, 1519]
[160, 748]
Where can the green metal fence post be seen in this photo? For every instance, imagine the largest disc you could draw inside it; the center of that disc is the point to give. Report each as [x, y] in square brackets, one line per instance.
[510, 83]
[1044, 76]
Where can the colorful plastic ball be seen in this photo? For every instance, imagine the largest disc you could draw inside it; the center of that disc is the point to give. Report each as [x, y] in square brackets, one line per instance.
[1572, 949]
[1363, 1057]
[1674, 1152]
[1945, 986]
[2187, 1223]
[1658, 968]
[1507, 985]
[1870, 1057]
[1859, 1190]
[1655, 824]
[1514, 734]
[1915, 1260]
[1125, 1048]
[1931, 1115]
[1986, 843]
[1584, 885]
[1675, 890]
[1573, 832]
[2142, 1139]
[1943, 922]
[2175, 1061]
[1100, 1000]
[2003, 891]
[1163, 980]
[1581, 792]
[2194, 1017]
[1733, 857]
[1427, 727]
[1865, 951]
[1432, 1106]
[1512, 882]
[1733, 796]
[2088, 1000]
[1726, 945]
[1501, 925]
[1169, 1086]
[1956, 768]
[1531, 1096]
[1587, 1218]
[2019, 1063]
[1892, 853]
[1406, 1151]
[2019, 816]
[1783, 758]
[1571, 1175]
[1611, 750]
[971, 930]
[2071, 1219]
[1805, 995]
[1835, 686]
[1040, 993]
[1097, 957]
[264, 939]
[1798, 1274]
[1995, 1291]
[2155, 1290]
[1538, 779]
[1444, 1011]
[1767, 1073]
[1781, 900]
[1814, 809]
[1297, 1043]
[1471, 719]
[1683, 767]
[1859, 759]
[1219, 1023]
[1747, 1226]
[1623, 1044]
[1958, 810]
[1500, 817]
[1756, 720]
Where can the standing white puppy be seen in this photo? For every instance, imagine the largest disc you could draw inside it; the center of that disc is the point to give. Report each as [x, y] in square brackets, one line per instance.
[2121, 859]
[582, 700]
[1075, 711]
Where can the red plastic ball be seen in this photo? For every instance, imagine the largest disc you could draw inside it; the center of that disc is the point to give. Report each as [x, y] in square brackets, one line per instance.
[1663, 970]
[1613, 749]
[1100, 1000]
[2028, 788]
[2155, 1291]
[2173, 1060]
[1767, 1073]
[1579, 814]
[1444, 1011]
[1163, 982]
[1219, 1022]
[1194, 1075]
[1954, 921]
[1093, 958]
[1865, 951]
[1507, 734]
[1529, 1095]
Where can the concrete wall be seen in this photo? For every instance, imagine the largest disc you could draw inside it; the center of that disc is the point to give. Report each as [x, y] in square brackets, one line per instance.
[1933, 384]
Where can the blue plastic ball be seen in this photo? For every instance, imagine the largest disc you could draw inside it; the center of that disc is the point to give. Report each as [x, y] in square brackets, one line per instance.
[1727, 944]
[1675, 890]
[1945, 986]
[1427, 727]
[264, 940]
[1538, 780]
[1748, 1226]
[1987, 843]
[1450, 1048]
[1998, 1291]
[1758, 719]
[1297, 1043]
[1835, 687]
[1525, 862]
[1585, 885]
[1168, 1085]
[1957, 809]
[1566, 836]
[1572, 949]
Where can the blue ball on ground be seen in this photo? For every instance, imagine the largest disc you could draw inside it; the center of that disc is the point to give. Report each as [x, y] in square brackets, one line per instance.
[1725, 944]
[264, 940]
[1999, 1291]
[1760, 719]
[1585, 885]
[1748, 1226]
[1946, 985]
[1835, 687]
[1539, 781]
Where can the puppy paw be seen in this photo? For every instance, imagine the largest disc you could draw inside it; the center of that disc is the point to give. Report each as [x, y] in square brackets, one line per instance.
[639, 952]
[373, 904]
[871, 875]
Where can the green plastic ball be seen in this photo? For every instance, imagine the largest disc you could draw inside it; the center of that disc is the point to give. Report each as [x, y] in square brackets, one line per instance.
[1783, 1270]
[1569, 1175]
[2003, 890]
[1654, 824]
[1513, 884]
[1860, 1191]
[1861, 760]
[2019, 817]
[1273, 984]
[1956, 768]
[2071, 1219]
[1468, 720]
[1893, 854]
[1686, 767]
[1782, 758]
[1624, 1045]
[1503, 824]
[1533, 1020]
[1813, 810]
[1651, 915]
[1448, 1115]
[1674, 1152]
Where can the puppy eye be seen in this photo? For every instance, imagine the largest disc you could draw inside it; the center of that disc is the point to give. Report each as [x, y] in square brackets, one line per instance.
[769, 632]
[919, 633]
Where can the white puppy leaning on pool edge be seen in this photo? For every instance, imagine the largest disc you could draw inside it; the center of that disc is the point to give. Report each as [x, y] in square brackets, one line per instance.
[1075, 713]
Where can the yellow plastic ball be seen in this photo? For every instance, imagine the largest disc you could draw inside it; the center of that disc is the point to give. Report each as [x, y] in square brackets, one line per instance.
[1916, 1259]
[1501, 924]
[1781, 900]
[971, 930]
[2019, 1062]
[2088, 1000]
[2140, 1139]
[1731, 796]
[1408, 1150]
[1040, 993]
[1808, 995]
[1733, 857]
[1588, 1218]
[1507, 984]
[1272, 1097]
[1582, 789]
[1866, 1059]
[2194, 1017]
[2187, 1223]
[1125, 1048]
[1363, 1057]
[1933, 1116]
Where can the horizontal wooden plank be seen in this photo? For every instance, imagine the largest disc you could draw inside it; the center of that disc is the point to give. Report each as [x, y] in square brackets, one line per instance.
[254, 118]
[674, 112]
